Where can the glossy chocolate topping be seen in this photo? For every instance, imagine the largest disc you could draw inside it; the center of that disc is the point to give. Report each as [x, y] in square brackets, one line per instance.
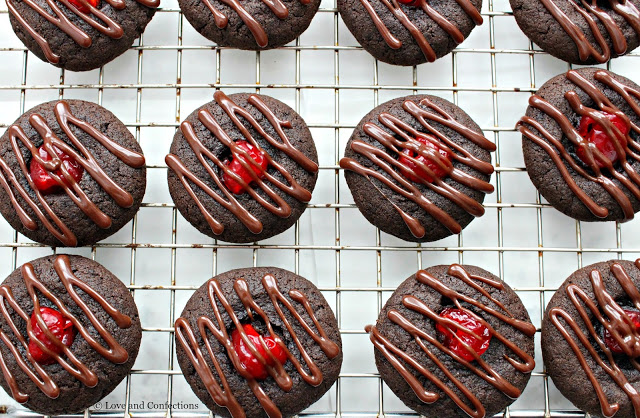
[273, 203]
[276, 6]
[80, 154]
[95, 18]
[593, 14]
[399, 359]
[605, 311]
[38, 374]
[626, 148]
[397, 10]
[223, 396]
[404, 136]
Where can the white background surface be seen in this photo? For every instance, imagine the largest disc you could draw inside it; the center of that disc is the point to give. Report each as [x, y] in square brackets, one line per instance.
[333, 83]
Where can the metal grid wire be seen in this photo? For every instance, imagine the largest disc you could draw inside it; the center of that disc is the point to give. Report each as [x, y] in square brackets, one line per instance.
[528, 255]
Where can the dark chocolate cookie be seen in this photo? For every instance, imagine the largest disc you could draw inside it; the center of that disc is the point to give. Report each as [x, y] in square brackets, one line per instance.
[580, 32]
[591, 338]
[71, 174]
[580, 144]
[410, 32]
[94, 326]
[272, 344]
[79, 35]
[426, 354]
[242, 167]
[250, 24]
[418, 168]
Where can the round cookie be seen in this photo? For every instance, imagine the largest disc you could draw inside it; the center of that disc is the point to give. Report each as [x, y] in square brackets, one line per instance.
[89, 34]
[250, 24]
[104, 324]
[563, 28]
[408, 337]
[410, 32]
[571, 159]
[401, 181]
[75, 210]
[242, 167]
[594, 303]
[268, 304]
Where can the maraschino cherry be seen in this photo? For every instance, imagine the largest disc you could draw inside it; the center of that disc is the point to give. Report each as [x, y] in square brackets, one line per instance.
[610, 342]
[462, 317]
[595, 134]
[236, 166]
[41, 177]
[437, 170]
[62, 328]
[81, 7]
[248, 360]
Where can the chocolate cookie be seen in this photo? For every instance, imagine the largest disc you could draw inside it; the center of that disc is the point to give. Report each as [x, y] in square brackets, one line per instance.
[426, 351]
[250, 24]
[591, 338]
[579, 139]
[580, 32]
[79, 35]
[410, 32]
[272, 345]
[69, 333]
[242, 167]
[418, 168]
[71, 174]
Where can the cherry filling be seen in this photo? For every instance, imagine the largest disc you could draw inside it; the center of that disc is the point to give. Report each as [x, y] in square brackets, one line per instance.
[81, 7]
[610, 342]
[479, 344]
[414, 168]
[236, 166]
[248, 360]
[595, 134]
[41, 177]
[408, 2]
[61, 327]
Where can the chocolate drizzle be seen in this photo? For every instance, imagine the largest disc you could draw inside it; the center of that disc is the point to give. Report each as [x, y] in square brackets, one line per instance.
[626, 148]
[38, 374]
[590, 11]
[400, 359]
[97, 19]
[223, 396]
[79, 152]
[403, 136]
[608, 313]
[397, 10]
[276, 6]
[273, 202]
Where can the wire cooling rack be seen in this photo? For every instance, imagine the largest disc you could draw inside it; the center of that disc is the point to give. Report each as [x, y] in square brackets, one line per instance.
[332, 82]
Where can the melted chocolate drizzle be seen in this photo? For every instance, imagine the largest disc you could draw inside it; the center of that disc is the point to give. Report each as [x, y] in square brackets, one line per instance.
[611, 316]
[95, 18]
[38, 374]
[396, 9]
[276, 6]
[626, 148]
[44, 212]
[400, 359]
[223, 396]
[590, 11]
[404, 136]
[274, 204]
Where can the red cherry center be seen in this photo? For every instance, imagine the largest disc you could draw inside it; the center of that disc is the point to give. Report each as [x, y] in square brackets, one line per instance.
[251, 362]
[610, 342]
[61, 327]
[478, 342]
[408, 2]
[596, 136]
[81, 7]
[42, 178]
[235, 165]
[413, 171]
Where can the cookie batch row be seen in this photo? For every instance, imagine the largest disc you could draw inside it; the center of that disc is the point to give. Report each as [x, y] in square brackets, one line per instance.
[81, 35]
[451, 341]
